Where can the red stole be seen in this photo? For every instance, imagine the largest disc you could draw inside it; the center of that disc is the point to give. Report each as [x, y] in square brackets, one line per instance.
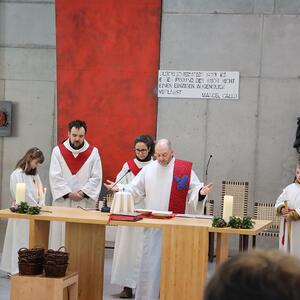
[180, 185]
[75, 163]
[133, 167]
[283, 234]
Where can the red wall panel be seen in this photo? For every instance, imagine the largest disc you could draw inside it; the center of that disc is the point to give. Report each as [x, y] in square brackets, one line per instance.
[107, 62]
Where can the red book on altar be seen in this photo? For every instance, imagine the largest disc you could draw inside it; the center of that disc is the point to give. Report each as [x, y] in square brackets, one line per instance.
[132, 217]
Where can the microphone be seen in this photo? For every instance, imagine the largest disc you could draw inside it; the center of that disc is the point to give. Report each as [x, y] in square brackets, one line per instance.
[206, 171]
[128, 171]
[106, 208]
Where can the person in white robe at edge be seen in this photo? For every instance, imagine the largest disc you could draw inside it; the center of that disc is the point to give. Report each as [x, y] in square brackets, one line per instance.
[75, 176]
[166, 184]
[129, 240]
[17, 230]
[289, 239]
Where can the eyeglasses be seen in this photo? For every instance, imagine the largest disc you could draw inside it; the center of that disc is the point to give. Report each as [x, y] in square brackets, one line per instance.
[141, 150]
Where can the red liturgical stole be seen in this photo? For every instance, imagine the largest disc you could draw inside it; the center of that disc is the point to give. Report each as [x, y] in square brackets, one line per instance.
[180, 186]
[133, 167]
[75, 163]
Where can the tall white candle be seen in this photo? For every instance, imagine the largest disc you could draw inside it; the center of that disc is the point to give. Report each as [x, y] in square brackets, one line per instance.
[227, 207]
[20, 192]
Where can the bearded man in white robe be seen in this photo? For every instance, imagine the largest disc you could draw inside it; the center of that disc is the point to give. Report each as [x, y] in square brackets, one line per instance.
[165, 184]
[75, 176]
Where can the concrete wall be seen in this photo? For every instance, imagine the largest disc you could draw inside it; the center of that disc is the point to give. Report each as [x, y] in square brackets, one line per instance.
[251, 138]
[28, 79]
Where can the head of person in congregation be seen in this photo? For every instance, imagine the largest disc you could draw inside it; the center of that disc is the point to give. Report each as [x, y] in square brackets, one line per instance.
[76, 132]
[259, 275]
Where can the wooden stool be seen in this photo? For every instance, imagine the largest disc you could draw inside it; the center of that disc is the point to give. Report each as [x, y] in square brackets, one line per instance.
[40, 287]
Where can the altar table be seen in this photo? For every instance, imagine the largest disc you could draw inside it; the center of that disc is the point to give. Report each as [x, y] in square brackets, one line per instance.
[184, 260]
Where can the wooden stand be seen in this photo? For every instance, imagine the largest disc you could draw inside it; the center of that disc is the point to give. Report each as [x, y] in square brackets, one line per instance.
[41, 287]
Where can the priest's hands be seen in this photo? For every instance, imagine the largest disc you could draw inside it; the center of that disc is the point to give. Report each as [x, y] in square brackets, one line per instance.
[111, 186]
[75, 196]
[206, 189]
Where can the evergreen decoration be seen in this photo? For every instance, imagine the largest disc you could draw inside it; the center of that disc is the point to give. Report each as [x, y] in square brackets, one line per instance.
[24, 208]
[235, 222]
[247, 223]
[218, 222]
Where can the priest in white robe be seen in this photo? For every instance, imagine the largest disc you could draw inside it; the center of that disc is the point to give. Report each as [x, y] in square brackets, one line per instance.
[289, 235]
[17, 230]
[166, 184]
[75, 177]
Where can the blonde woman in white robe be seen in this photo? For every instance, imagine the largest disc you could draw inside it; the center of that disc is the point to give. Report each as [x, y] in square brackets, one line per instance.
[129, 240]
[17, 230]
[289, 236]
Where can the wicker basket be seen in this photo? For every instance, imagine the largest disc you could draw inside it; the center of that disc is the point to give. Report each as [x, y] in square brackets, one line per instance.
[55, 270]
[31, 261]
[29, 268]
[56, 262]
[59, 257]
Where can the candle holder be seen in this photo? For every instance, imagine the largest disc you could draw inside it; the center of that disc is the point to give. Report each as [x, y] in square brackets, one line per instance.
[104, 207]
[106, 200]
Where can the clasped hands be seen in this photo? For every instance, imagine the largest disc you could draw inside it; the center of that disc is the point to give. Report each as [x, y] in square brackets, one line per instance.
[76, 196]
[286, 213]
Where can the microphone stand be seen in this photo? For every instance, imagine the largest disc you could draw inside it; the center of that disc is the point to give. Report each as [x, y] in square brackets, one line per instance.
[206, 170]
[104, 207]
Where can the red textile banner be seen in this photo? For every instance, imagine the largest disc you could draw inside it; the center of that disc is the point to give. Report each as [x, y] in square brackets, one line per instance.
[107, 63]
